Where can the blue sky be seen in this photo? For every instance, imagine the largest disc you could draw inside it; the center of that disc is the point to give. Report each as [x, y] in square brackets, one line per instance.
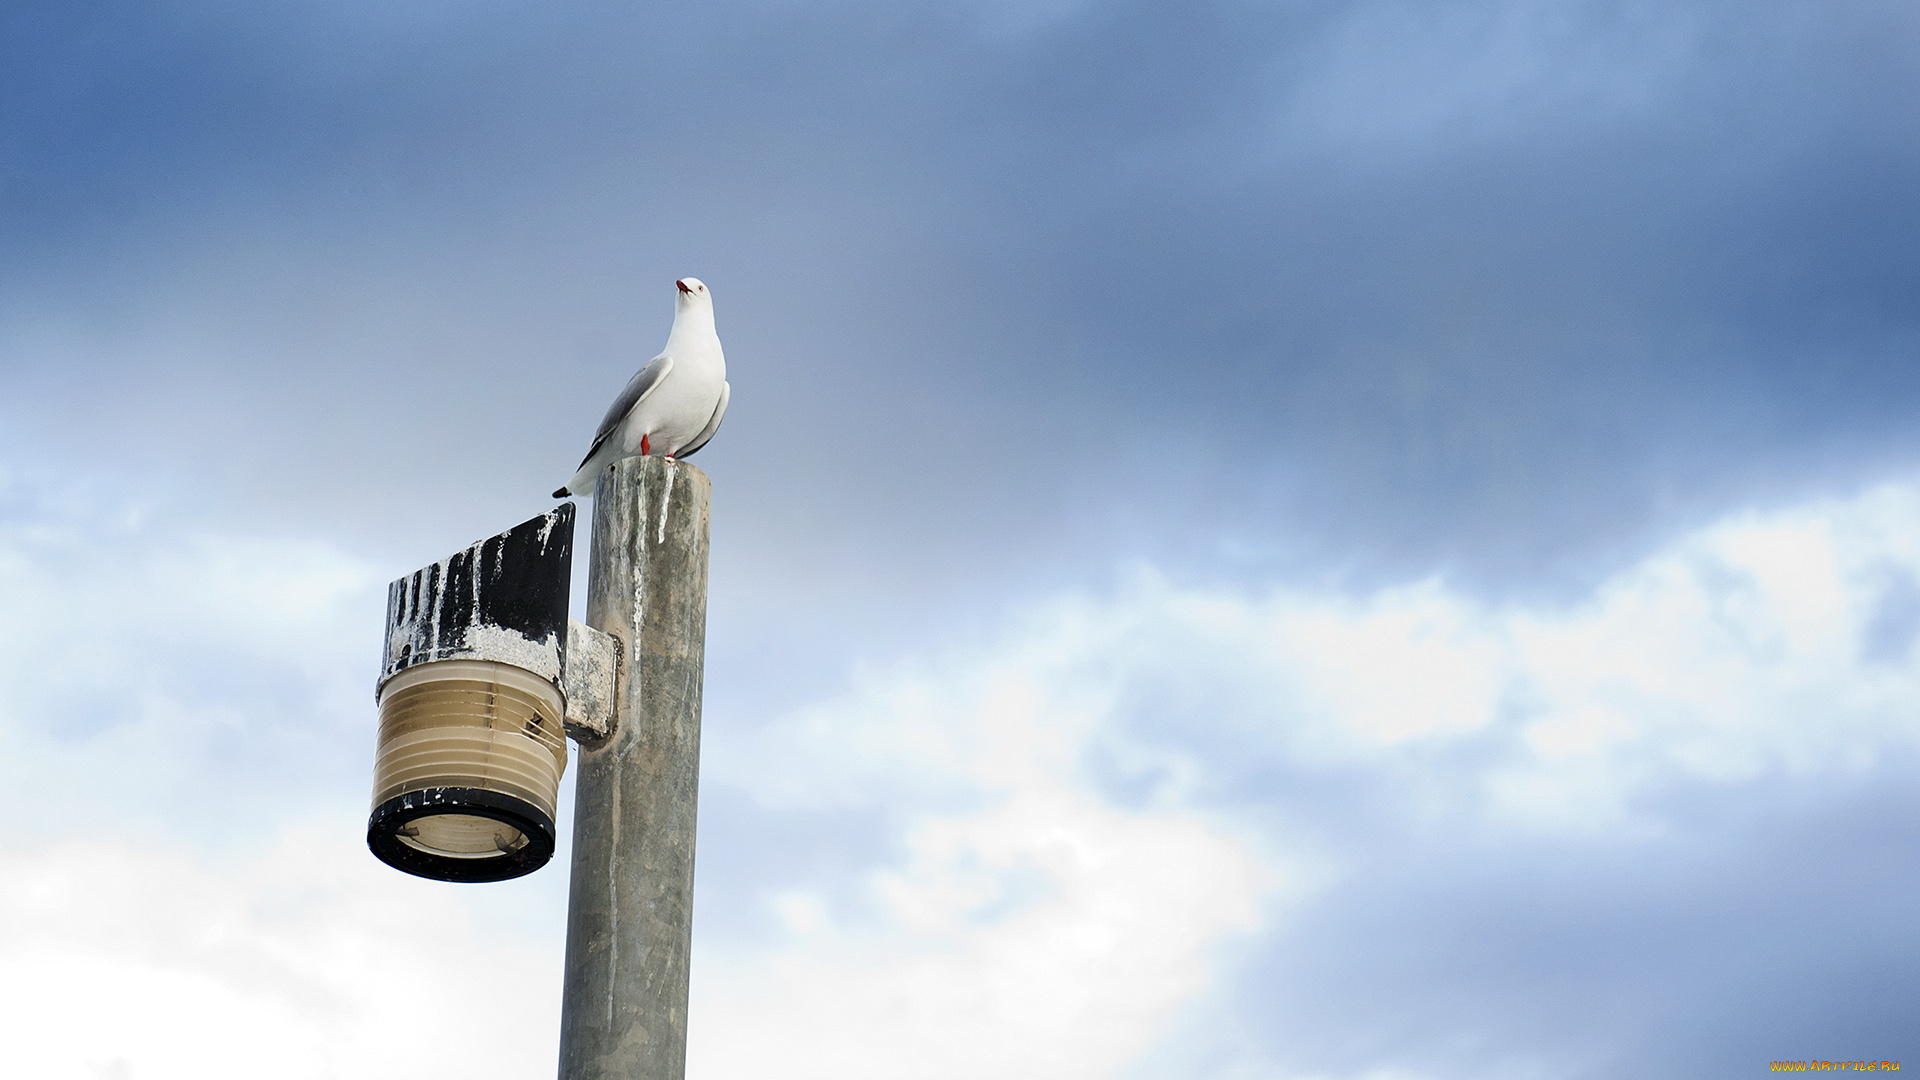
[1298, 541]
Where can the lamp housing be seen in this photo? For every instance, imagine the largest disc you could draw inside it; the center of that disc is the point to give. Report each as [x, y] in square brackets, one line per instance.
[473, 707]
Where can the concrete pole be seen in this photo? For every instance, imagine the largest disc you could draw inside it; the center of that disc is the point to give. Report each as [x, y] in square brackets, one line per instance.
[630, 913]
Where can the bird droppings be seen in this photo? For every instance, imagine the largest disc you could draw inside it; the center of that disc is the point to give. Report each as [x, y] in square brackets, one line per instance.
[502, 599]
[666, 499]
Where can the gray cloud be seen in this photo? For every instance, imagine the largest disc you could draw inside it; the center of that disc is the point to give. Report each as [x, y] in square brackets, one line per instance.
[1348, 292]
[1504, 288]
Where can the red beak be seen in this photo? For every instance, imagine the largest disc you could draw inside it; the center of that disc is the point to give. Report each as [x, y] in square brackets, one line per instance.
[683, 286]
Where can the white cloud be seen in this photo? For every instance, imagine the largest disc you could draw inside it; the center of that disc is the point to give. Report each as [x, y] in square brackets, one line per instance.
[1067, 874]
[1027, 926]
[312, 961]
[143, 651]
[1048, 936]
[1031, 926]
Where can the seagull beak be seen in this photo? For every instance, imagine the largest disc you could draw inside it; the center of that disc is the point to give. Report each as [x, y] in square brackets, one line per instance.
[683, 286]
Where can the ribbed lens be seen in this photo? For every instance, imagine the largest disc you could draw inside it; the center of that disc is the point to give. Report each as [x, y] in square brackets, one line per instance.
[467, 775]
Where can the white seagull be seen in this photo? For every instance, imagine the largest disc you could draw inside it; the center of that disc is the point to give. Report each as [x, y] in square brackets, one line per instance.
[671, 406]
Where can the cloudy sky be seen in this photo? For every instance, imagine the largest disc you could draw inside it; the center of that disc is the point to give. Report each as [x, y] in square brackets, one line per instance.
[1254, 539]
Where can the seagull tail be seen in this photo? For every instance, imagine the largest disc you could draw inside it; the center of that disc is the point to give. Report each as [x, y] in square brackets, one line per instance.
[561, 493]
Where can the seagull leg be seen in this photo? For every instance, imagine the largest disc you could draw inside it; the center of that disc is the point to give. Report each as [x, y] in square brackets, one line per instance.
[644, 446]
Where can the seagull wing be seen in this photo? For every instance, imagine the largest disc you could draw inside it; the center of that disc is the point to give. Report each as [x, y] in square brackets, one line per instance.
[713, 424]
[644, 382]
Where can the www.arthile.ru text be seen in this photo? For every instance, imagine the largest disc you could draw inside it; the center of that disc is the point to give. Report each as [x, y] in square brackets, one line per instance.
[1835, 1066]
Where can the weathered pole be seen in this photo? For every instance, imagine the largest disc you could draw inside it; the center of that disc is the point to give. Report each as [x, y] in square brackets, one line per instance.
[630, 913]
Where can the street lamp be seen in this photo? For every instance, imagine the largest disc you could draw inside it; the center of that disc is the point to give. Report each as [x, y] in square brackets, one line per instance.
[484, 680]
[473, 708]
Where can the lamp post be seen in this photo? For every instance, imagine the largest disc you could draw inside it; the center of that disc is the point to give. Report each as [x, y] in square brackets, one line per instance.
[630, 907]
[483, 673]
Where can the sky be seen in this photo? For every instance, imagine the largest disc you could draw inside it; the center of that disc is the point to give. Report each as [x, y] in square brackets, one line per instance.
[1295, 540]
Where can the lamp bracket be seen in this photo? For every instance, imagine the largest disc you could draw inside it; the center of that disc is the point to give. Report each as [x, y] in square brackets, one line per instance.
[593, 660]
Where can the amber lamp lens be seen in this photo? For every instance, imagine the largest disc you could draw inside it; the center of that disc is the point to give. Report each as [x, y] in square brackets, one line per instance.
[467, 773]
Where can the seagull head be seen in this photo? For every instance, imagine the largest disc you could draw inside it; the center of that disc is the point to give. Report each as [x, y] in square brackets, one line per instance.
[692, 293]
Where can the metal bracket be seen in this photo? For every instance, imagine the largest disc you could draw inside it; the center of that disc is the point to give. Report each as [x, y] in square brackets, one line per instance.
[593, 660]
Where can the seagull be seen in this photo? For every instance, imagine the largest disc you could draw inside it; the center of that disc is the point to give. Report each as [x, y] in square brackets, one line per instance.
[673, 404]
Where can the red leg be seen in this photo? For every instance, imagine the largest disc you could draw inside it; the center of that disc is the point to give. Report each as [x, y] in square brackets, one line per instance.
[645, 447]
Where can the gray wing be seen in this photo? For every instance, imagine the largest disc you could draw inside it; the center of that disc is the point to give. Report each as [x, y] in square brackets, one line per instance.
[713, 424]
[643, 383]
